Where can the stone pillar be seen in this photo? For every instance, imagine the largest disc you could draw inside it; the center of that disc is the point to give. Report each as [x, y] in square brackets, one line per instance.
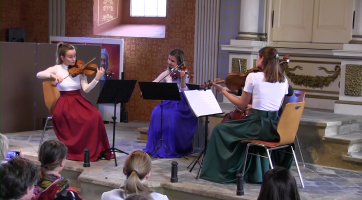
[357, 30]
[249, 20]
[350, 91]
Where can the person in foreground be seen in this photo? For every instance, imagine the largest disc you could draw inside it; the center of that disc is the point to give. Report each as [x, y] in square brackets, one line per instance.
[51, 185]
[18, 177]
[137, 169]
[77, 123]
[179, 123]
[225, 154]
[278, 183]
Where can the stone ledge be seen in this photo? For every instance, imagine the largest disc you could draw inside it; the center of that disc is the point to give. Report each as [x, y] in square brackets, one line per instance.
[355, 158]
[143, 133]
[350, 138]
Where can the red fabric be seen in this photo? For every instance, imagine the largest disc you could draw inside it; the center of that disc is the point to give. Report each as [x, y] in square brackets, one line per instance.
[79, 125]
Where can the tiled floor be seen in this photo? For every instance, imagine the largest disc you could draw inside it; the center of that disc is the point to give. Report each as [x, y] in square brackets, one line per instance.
[320, 182]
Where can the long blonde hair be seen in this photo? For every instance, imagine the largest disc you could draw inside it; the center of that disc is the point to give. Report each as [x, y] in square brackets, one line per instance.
[137, 165]
[272, 70]
[62, 49]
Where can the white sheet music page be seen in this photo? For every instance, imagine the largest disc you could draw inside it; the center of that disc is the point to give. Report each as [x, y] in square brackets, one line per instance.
[202, 102]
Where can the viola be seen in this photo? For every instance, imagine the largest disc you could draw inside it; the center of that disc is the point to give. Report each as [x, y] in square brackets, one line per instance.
[87, 69]
[176, 73]
[236, 114]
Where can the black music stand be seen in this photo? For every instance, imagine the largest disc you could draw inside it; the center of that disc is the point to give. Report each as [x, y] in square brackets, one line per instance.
[160, 91]
[116, 91]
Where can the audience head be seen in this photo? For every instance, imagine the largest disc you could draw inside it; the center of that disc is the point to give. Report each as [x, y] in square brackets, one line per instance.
[176, 55]
[18, 177]
[51, 155]
[139, 197]
[278, 184]
[268, 60]
[61, 53]
[137, 168]
[4, 146]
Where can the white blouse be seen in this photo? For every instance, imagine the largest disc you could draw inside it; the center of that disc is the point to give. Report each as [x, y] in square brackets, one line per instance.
[266, 96]
[70, 83]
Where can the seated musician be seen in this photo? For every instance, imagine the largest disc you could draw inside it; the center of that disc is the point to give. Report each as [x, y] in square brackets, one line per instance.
[225, 154]
[179, 123]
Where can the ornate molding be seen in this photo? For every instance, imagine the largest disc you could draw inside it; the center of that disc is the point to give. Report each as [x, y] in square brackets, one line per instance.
[235, 65]
[312, 81]
[312, 96]
[353, 86]
[107, 11]
[349, 102]
[317, 91]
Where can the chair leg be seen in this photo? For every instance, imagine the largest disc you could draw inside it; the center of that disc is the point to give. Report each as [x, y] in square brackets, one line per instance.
[269, 157]
[300, 150]
[42, 136]
[296, 164]
[246, 157]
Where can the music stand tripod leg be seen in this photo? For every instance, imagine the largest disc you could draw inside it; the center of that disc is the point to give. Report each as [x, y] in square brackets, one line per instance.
[113, 149]
[160, 142]
[203, 152]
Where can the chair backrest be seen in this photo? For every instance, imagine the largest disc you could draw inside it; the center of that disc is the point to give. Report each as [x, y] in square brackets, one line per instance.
[289, 122]
[51, 95]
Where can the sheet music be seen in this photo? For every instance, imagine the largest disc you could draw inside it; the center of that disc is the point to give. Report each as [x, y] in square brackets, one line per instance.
[202, 102]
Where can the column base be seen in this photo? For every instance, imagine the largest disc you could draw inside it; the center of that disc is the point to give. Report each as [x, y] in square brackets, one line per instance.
[348, 107]
[356, 39]
[251, 36]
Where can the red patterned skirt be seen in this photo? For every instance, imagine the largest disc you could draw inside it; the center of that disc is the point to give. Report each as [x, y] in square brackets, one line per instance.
[79, 125]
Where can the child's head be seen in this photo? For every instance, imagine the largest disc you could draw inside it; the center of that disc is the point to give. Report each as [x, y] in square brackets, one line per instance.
[139, 197]
[278, 183]
[137, 168]
[51, 155]
[4, 146]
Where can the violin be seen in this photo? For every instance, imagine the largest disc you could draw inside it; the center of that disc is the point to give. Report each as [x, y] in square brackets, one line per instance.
[87, 69]
[236, 80]
[176, 72]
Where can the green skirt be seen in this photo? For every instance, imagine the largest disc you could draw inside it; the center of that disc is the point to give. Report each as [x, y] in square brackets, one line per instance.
[225, 153]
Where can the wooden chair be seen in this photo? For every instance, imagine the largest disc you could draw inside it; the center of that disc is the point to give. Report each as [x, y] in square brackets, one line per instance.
[287, 129]
[51, 95]
[298, 96]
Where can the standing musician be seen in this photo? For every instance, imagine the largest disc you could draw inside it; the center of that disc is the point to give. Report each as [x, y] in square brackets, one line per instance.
[225, 154]
[179, 123]
[77, 123]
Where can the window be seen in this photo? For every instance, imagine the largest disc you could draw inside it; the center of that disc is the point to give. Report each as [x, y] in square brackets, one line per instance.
[148, 8]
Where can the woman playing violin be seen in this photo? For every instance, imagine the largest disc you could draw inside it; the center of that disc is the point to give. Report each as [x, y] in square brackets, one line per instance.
[77, 123]
[225, 154]
[179, 123]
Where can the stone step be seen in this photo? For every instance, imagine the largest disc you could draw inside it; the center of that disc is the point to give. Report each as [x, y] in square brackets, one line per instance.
[143, 133]
[355, 158]
[353, 141]
[349, 139]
